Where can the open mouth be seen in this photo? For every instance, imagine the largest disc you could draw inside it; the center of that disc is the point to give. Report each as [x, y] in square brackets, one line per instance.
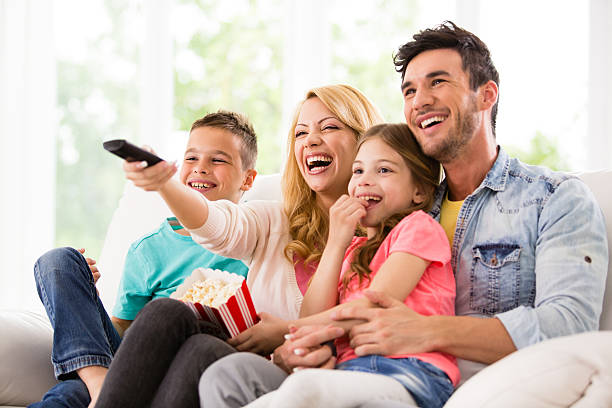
[371, 199]
[432, 121]
[201, 185]
[318, 163]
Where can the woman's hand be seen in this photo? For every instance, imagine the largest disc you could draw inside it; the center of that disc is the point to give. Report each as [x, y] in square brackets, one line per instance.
[305, 348]
[263, 337]
[344, 215]
[149, 178]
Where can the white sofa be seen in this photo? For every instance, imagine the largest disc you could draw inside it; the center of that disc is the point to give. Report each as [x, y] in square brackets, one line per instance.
[571, 371]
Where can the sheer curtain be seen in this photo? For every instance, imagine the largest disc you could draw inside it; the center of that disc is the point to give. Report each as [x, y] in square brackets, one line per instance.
[27, 145]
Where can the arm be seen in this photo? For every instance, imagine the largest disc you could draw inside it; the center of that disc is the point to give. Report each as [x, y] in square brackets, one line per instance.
[322, 293]
[121, 325]
[393, 328]
[397, 277]
[571, 262]
[190, 207]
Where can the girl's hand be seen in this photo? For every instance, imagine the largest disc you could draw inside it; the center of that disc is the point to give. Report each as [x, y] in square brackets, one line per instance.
[344, 215]
[149, 178]
[262, 338]
[92, 266]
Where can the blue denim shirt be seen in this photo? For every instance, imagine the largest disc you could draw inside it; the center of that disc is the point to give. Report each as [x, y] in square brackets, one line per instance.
[530, 249]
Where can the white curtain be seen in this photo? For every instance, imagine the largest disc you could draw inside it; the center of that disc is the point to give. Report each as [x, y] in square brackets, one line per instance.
[27, 145]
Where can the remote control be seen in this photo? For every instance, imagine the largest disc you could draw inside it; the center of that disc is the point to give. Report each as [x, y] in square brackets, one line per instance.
[130, 152]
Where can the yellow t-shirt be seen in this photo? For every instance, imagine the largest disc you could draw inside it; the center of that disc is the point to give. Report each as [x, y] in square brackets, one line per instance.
[448, 217]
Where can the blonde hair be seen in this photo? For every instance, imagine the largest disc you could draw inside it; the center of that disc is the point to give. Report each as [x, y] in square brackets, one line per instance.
[308, 223]
[426, 173]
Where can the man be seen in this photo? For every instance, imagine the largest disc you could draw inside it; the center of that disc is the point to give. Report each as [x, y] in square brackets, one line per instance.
[528, 245]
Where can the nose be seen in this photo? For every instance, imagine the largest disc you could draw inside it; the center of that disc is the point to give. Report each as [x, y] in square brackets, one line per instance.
[422, 98]
[200, 170]
[313, 139]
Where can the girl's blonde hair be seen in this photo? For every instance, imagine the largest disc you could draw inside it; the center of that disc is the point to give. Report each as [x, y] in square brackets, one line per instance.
[308, 224]
[425, 174]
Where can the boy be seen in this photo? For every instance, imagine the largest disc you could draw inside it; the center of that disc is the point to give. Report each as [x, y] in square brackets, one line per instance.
[219, 163]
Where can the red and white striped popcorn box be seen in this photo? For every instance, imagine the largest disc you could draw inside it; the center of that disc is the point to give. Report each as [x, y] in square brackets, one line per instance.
[234, 316]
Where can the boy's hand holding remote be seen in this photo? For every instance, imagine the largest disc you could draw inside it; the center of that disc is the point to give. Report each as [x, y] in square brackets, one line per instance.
[189, 206]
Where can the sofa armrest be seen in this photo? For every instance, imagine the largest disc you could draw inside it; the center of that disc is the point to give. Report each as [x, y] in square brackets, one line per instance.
[26, 373]
[573, 371]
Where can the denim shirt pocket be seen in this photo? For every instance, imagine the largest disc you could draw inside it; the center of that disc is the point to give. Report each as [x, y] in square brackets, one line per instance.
[495, 280]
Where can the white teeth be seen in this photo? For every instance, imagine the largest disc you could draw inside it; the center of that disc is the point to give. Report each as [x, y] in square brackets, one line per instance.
[427, 122]
[201, 185]
[368, 198]
[312, 159]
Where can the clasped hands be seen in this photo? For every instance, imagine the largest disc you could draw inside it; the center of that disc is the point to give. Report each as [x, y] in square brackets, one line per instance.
[390, 328]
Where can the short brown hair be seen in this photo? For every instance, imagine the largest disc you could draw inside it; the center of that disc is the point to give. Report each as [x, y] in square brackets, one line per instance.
[238, 125]
[475, 56]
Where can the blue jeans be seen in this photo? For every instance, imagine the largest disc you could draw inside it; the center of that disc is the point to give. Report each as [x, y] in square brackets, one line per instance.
[429, 386]
[83, 333]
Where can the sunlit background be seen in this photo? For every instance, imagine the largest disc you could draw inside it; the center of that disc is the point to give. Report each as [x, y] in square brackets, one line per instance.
[74, 73]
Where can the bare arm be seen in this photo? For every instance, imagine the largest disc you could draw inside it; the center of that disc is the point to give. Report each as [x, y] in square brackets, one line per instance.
[394, 328]
[190, 207]
[121, 325]
[397, 277]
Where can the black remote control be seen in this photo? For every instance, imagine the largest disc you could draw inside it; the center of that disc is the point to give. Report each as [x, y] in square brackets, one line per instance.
[130, 152]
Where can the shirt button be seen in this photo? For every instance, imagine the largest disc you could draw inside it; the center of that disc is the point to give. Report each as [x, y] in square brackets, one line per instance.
[587, 259]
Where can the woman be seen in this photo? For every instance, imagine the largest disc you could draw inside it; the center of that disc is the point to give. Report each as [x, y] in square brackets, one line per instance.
[167, 348]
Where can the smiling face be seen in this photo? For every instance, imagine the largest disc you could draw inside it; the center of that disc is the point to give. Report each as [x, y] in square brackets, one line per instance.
[439, 105]
[212, 164]
[324, 149]
[382, 178]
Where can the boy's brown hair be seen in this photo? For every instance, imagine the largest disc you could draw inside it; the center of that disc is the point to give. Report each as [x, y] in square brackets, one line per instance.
[238, 125]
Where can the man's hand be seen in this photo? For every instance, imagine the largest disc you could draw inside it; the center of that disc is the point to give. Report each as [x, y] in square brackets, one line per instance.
[305, 348]
[263, 337]
[391, 328]
[149, 178]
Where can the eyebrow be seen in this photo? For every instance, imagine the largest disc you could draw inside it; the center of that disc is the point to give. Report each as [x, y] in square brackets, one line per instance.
[322, 120]
[378, 162]
[212, 152]
[432, 74]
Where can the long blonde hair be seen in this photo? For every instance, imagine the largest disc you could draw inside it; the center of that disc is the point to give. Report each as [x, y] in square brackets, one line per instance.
[308, 223]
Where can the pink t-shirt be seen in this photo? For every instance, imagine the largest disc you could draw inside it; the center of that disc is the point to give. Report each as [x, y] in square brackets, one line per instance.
[303, 272]
[420, 235]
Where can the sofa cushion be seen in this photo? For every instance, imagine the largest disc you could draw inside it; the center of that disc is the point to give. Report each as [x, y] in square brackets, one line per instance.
[25, 356]
[573, 371]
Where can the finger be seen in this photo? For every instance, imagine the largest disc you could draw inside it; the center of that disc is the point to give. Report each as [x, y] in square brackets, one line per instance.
[239, 339]
[248, 345]
[312, 359]
[369, 349]
[317, 337]
[134, 167]
[329, 364]
[90, 261]
[81, 250]
[94, 269]
[96, 276]
[382, 299]
[353, 312]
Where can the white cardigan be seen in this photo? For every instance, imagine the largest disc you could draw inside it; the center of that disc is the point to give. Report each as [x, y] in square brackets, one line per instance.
[255, 232]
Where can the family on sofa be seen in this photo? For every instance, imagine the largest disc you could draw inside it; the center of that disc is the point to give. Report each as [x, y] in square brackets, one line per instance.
[364, 299]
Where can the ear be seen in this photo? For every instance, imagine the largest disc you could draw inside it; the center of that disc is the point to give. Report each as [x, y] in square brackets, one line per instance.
[488, 94]
[418, 196]
[249, 178]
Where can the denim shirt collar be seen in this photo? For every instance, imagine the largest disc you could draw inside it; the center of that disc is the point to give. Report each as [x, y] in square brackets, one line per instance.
[495, 180]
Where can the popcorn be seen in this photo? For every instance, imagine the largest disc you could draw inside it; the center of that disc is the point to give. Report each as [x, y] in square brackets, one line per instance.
[220, 297]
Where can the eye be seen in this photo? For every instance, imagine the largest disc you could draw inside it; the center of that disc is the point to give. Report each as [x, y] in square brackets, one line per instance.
[215, 160]
[384, 170]
[299, 133]
[409, 92]
[191, 158]
[437, 81]
[357, 171]
[330, 127]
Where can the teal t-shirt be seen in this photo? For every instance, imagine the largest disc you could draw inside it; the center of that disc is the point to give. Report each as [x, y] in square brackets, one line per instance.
[159, 262]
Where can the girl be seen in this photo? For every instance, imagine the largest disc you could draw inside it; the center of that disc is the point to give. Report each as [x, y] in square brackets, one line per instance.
[405, 254]
[269, 237]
